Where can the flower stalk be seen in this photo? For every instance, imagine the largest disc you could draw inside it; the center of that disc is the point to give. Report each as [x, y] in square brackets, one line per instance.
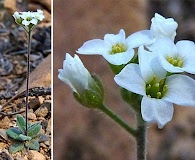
[118, 120]
[27, 80]
[141, 137]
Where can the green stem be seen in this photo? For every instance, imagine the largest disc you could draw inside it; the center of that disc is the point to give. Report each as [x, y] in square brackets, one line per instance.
[27, 79]
[141, 138]
[118, 119]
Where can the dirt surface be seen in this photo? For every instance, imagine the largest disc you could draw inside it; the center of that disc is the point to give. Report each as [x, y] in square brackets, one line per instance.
[84, 134]
[13, 67]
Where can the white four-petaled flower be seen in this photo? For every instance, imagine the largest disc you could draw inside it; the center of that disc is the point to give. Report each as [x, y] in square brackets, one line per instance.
[159, 91]
[175, 58]
[114, 48]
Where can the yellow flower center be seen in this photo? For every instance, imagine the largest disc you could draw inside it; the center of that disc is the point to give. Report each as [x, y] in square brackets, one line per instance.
[28, 18]
[175, 61]
[118, 48]
[156, 89]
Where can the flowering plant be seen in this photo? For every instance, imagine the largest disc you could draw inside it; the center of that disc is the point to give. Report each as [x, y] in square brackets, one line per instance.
[151, 77]
[26, 132]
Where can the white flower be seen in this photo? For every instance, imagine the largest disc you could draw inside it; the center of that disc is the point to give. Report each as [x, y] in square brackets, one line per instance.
[16, 15]
[175, 58]
[75, 74]
[114, 48]
[162, 27]
[39, 15]
[159, 92]
[27, 18]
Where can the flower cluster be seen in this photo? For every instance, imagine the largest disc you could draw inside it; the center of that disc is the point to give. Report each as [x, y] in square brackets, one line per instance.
[28, 18]
[154, 70]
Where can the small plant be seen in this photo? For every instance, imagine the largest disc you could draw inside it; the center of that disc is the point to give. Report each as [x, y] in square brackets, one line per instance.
[22, 141]
[26, 135]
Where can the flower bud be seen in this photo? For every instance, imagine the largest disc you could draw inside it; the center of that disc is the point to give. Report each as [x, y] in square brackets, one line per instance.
[87, 90]
[162, 27]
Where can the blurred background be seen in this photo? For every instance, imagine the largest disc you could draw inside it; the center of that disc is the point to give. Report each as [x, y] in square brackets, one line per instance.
[84, 134]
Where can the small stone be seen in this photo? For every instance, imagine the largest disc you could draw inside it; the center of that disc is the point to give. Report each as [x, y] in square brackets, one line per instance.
[48, 129]
[34, 103]
[43, 110]
[41, 99]
[2, 146]
[4, 123]
[35, 155]
[32, 116]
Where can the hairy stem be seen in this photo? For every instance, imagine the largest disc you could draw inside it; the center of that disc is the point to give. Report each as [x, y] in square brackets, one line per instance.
[118, 120]
[141, 138]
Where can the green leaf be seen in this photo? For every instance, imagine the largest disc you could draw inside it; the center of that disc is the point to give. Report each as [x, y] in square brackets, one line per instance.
[34, 129]
[16, 146]
[33, 144]
[25, 138]
[42, 138]
[21, 123]
[14, 133]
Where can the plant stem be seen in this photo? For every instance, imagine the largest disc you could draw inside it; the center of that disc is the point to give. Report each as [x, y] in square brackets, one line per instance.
[27, 79]
[118, 120]
[141, 138]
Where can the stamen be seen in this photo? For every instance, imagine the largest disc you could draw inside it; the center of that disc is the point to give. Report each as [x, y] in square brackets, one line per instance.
[118, 48]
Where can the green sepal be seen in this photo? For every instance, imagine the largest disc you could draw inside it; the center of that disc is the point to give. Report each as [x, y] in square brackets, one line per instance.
[97, 85]
[89, 98]
[33, 144]
[14, 133]
[116, 68]
[92, 97]
[21, 123]
[133, 99]
[16, 146]
[34, 129]
[19, 21]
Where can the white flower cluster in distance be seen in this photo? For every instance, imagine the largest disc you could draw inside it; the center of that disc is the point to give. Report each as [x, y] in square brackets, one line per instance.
[156, 74]
[27, 18]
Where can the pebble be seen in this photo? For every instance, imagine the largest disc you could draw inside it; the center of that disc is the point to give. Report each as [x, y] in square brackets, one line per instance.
[34, 103]
[35, 155]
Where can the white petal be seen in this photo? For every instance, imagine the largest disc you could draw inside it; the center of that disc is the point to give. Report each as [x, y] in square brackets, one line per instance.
[149, 65]
[139, 38]
[156, 111]
[180, 90]
[74, 74]
[16, 15]
[165, 48]
[130, 78]
[115, 38]
[119, 58]
[25, 22]
[95, 46]
[186, 51]
[34, 21]
[65, 80]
